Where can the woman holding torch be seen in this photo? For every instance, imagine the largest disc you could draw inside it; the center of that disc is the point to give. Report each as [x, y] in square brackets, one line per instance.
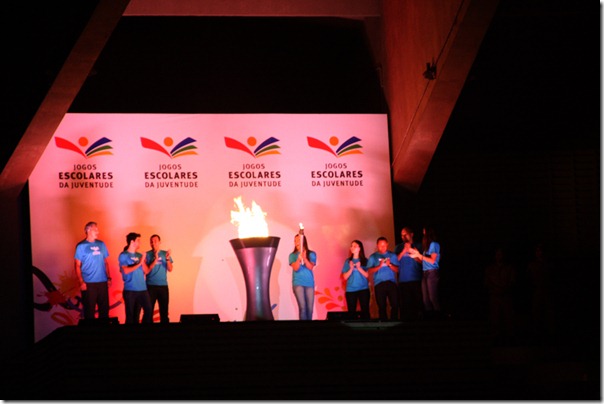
[303, 260]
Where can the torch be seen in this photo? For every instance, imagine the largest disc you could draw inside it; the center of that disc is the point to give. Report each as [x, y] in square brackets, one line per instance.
[255, 251]
[301, 234]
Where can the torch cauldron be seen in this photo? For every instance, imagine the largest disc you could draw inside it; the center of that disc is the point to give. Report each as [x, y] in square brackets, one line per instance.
[256, 256]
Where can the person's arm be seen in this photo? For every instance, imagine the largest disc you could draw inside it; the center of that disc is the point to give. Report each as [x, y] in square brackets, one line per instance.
[128, 268]
[405, 249]
[391, 266]
[169, 265]
[373, 269]
[433, 253]
[419, 257]
[362, 270]
[107, 269]
[308, 263]
[147, 267]
[78, 271]
[431, 259]
[151, 263]
[348, 273]
[296, 264]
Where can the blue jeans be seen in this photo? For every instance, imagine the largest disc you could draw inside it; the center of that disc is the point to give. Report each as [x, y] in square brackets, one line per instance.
[430, 290]
[305, 296]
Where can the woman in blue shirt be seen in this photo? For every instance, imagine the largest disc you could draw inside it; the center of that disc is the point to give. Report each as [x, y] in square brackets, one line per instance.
[302, 260]
[430, 259]
[355, 274]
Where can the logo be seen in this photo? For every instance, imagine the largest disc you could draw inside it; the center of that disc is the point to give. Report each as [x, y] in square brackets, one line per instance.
[269, 146]
[99, 148]
[350, 146]
[184, 148]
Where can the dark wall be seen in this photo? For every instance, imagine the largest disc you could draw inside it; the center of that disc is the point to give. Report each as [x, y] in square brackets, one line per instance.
[477, 203]
[234, 65]
[519, 163]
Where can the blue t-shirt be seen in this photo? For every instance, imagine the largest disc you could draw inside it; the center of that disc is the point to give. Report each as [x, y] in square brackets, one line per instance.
[135, 280]
[409, 270]
[356, 281]
[384, 273]
[158, 275]
[303, 276]
[433, 248]
[92, 256]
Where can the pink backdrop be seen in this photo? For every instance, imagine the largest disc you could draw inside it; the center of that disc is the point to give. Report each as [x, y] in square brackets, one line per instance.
[177, 175]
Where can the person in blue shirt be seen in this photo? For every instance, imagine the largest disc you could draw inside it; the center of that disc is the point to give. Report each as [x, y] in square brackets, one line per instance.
[409, 277]
[92, 271]
[383, 266]
[303, 261]
[160, 263]
[430, 266]
[355, 274]
[134, 268]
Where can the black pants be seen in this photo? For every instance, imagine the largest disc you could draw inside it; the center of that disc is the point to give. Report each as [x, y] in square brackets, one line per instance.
[387, 292]
[133, 302]
[362, 297]
[410, 300]
[161, 295]
[96, 294]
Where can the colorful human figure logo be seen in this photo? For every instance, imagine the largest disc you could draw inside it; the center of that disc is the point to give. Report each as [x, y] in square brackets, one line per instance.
[99, 148]
[350, 146]
[269, 146]
[183, 148]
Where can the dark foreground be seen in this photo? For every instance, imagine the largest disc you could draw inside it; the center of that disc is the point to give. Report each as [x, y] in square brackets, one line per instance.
[294, 360]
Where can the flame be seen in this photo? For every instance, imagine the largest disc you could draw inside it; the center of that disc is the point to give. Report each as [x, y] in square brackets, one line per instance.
[250, 222]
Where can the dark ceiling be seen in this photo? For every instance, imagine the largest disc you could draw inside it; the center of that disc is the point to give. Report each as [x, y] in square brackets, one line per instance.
[535, 82]
[233, 65]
